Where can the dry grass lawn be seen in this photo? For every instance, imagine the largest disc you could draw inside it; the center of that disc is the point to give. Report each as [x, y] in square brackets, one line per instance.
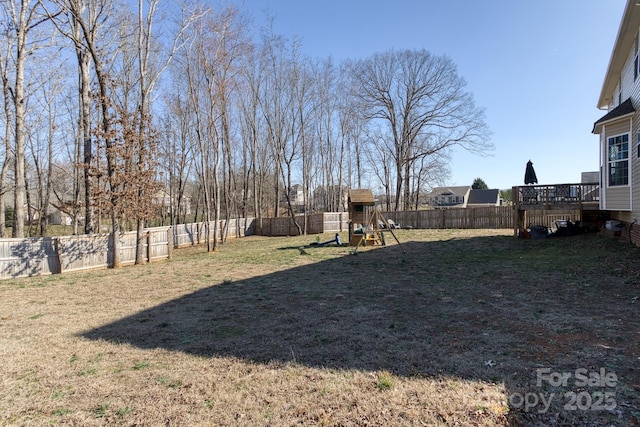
[455, 332]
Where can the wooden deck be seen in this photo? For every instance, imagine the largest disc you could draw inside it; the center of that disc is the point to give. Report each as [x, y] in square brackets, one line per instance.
[559, 196]
[575, 199]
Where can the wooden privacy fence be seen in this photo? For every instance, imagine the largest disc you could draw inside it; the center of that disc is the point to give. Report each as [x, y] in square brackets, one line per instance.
[194, 233]
[55, 255]
[486, 217]
[489, 217]
[548, 218]
[325, 222]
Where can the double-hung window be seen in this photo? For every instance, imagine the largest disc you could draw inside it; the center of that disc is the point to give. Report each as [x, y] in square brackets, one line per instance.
[618, 150]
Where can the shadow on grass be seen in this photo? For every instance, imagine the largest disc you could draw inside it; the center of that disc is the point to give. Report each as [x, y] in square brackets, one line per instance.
[491, 308]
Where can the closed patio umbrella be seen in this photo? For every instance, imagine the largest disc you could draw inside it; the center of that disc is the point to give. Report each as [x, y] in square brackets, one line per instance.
[530, 174]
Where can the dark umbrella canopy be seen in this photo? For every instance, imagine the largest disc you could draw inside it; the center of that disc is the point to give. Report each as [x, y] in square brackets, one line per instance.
[530, 174]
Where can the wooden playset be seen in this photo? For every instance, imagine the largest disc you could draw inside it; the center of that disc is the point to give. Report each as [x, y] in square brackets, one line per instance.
[367, 225]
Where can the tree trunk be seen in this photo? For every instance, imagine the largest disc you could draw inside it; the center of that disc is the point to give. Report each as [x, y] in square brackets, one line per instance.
[19, 169]
[7, 154]
[87, 146]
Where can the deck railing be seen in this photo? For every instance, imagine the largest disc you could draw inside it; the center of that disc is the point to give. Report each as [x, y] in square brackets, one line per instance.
[584, 194]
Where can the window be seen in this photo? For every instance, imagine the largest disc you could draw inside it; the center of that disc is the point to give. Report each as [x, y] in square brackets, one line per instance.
[618, 148]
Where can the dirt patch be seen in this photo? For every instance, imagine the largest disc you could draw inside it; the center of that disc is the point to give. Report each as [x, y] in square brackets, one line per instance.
[452, 332]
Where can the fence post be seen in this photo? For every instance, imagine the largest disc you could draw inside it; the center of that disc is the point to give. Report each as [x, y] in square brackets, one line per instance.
[148, 246]
[170, 243]
[58, 244]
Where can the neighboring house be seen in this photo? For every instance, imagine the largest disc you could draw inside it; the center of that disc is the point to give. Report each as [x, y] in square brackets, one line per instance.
[450, 197]
[483, 198]
[163, 200]
[619, 128]
[30, 210]
[590, 194]
[296, 195]
[589, 177]
[57, 217]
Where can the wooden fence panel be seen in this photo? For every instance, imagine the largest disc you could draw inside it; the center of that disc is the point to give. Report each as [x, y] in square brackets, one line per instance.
[193, 233]
[335, 222]
[484, 217]
[84, 252]
[315, 223]
[548, 218]
[128, 247]
[281, 226]
[324, 222]
[237, 227]
[28, 257]
[157, 246]
[185, 235]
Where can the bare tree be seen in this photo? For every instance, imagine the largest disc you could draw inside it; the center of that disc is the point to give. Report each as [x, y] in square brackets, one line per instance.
[275, 105]
[379, 156]
[227, 39]
[41, 149]
[261, 169]
[330, 153]
[248, 105]
[23, 17]
[196, 67]
[284, 88]
[100, 57]
[426, 171]
[176, 156]
[352, 128]
[152, 61]
[421, 101]
[80, 21]
[5, 61]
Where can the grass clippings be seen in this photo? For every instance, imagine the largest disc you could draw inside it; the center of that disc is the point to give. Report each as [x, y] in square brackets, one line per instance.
[469, 327]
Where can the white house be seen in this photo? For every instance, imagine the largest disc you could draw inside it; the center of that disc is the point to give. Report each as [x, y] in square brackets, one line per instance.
[619, 128]
[163, 200]
[296, 195]
[449, 197]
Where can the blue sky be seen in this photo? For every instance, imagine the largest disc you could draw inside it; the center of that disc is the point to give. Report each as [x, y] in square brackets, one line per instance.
[536, 67]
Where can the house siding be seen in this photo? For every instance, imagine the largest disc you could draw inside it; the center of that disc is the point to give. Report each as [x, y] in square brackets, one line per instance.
[623, 203]
[631, 89]
[617, 197]
[624, 198]
[617, 128]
